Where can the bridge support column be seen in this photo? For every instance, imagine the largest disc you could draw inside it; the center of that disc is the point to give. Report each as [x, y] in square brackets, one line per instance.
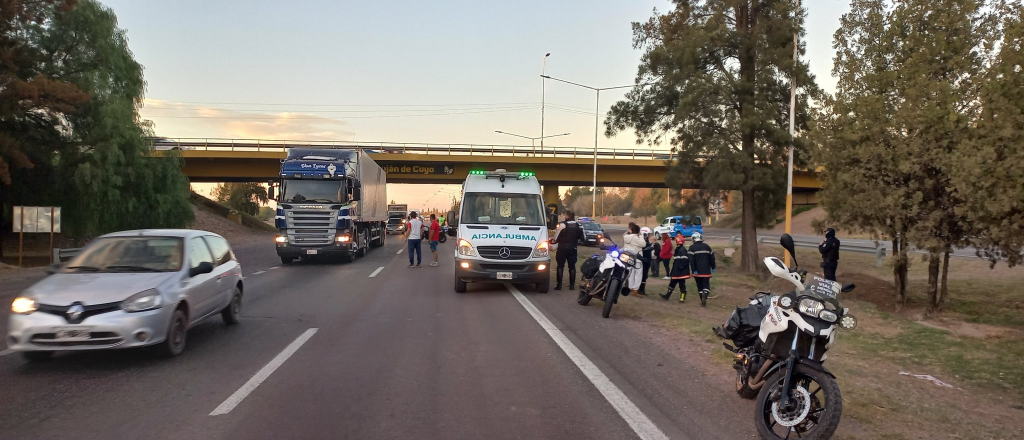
[551, 195]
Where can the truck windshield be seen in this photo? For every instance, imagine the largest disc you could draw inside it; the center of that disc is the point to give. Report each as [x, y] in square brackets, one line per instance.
[320, 191]
[502, 209]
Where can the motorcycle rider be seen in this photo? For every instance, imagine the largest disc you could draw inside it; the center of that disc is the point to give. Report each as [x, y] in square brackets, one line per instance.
[646, 258]
[829, 249]
[702, 264]
[567, 237]
[680, 270]
[633, 243]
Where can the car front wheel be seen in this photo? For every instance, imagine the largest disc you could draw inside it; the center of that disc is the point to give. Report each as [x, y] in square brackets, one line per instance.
[177, 332]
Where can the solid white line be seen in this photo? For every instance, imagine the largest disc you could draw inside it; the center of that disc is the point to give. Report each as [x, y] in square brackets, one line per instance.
[257, 273]
[6, 352]
[376, 271]
[399, 251]
[262, 375]
[642, 426]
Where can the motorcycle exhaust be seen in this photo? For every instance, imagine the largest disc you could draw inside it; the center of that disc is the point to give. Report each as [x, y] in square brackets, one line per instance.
[758, 380]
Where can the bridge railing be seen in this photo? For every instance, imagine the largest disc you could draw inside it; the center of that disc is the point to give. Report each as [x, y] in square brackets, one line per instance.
[259, 145]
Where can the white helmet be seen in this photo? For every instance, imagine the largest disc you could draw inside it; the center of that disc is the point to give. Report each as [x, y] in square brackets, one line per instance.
[645, 230]
[696, 237]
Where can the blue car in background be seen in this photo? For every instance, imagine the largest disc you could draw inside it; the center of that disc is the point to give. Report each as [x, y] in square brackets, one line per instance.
[680, 224]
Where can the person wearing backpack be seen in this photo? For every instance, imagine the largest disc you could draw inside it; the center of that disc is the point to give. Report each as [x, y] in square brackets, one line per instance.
[702, 264]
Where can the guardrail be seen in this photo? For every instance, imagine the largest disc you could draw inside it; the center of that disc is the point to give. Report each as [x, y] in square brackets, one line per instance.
[273, 145]
[58, 253]
[877, 249]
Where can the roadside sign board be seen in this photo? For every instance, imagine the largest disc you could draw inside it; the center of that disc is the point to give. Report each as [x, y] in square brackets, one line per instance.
[37, 219]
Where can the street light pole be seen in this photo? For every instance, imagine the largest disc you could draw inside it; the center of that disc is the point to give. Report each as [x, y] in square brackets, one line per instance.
[792, 131]
[543, 84]
[532, 139]
[597, 125]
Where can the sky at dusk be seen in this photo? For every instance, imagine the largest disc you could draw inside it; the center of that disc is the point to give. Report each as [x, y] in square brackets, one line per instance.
[397, 71]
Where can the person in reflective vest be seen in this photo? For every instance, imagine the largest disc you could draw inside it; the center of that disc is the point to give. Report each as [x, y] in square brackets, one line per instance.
[680, 270]
[702, 265]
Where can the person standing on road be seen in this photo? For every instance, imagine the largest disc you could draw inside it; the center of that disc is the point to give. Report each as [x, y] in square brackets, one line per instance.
[666, 254]
[646, 258]
[567, 237]
[829, 249]
[680, 270]
[702, 264]
[415, 240]
[435, 237]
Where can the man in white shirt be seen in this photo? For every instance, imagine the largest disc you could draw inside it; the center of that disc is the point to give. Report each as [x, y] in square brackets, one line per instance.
[415, 239]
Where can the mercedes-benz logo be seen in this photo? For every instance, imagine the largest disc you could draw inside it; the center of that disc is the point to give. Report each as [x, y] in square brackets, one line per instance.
[75, 312]
[504, 252]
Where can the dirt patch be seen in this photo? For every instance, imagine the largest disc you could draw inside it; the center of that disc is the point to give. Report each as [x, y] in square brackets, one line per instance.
[233, 232]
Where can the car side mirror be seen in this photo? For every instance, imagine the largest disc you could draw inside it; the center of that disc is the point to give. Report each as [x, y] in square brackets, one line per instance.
[270, 191]
[204, 267]
[453, 221]
[357, 192]
[849, 288]
[552, 221]
[53, 268]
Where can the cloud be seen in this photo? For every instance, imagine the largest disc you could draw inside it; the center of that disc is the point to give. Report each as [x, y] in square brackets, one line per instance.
[184, 120]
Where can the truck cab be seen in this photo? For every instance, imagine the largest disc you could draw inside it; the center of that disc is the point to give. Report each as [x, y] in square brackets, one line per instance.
[680, 224]
[502, 230]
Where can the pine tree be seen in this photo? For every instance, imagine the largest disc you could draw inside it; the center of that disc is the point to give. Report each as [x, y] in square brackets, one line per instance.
[715, 80]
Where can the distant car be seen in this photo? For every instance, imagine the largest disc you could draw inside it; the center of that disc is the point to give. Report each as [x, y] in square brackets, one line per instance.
[129, 289]
[595, 235]
[584, 219]
[167, 144]
[680, 224]
[396, 225]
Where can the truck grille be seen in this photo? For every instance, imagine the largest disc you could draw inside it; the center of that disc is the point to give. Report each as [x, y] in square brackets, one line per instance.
[311, 227]
[514, 252]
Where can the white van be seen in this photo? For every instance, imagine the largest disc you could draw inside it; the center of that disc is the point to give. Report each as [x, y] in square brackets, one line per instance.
[502, 231]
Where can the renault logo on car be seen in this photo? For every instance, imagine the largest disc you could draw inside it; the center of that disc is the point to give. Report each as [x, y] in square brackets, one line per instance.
[504, 252]
[75, 312]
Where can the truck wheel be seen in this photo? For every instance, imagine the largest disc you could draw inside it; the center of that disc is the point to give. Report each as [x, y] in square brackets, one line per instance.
[287, 260]
[365, 242]
[460, 286]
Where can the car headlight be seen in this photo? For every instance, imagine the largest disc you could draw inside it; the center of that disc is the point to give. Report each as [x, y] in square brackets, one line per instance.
[541, 251]
[23, 305]
[811, 307]
[848, 322]
[828, 316]
[146, 300]
[466, 248]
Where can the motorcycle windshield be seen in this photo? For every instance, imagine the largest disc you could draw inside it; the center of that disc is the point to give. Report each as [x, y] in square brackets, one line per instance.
[824, 290]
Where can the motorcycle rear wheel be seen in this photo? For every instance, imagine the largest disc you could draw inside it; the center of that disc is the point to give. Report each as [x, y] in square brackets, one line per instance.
[610, 296]
[822, 397]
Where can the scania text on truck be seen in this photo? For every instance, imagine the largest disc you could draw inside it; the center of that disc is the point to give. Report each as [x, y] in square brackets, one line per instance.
[502, 231]
[332, 202]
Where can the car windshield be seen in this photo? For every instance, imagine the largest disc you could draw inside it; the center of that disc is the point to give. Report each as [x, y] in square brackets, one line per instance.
[394, 221]
[592, 226]
[503, 209]
[129, 254]
[315, 191]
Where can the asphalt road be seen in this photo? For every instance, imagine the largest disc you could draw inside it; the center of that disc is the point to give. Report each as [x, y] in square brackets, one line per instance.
[325, 351]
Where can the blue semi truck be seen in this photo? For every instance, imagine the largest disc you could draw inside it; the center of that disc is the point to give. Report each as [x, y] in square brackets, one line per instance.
[330, 203]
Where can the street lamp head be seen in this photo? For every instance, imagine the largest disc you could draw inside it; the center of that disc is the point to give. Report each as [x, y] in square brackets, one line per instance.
[545, 76]
[547, 54]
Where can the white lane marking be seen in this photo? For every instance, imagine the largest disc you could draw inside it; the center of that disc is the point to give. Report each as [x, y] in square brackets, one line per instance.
[262, 375]
[399, 251]
[257, 273]
[275, 267]
[376, 271]
[6, 352]
[642, 426]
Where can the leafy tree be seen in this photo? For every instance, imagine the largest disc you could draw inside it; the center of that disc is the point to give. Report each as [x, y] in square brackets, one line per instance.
[244, 197]
[901, 119]
[715, 80]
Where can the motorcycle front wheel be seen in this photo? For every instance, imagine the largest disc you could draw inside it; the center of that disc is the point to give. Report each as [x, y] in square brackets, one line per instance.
[610, 296]
[815, 410]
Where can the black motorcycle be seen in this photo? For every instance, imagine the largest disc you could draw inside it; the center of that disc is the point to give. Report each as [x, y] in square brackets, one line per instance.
[604, 278]
[781, 344]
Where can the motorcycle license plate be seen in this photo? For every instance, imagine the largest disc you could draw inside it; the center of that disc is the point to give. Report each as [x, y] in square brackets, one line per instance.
[310, 251]
[504, 275]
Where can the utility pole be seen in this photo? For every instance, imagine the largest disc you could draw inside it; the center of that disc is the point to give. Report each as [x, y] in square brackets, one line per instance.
[792, 129]
[543, 85]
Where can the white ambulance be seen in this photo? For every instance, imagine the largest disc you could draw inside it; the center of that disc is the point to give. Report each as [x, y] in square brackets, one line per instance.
[502, 231]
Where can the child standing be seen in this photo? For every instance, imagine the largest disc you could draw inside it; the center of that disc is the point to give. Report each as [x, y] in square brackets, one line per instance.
[702, 262]
[680, 270]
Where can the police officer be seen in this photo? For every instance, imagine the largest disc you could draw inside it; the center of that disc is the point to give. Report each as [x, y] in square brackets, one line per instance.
[567, 236]
[829, 249]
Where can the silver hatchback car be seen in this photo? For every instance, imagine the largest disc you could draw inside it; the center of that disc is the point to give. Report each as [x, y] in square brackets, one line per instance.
[129, 289]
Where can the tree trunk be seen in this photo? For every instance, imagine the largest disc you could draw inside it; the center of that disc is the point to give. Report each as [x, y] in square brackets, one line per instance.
[899, 270]
[934, 261]
[749, 234]
[943, 290]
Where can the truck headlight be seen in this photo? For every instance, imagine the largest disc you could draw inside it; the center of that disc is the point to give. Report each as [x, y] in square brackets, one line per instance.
[542, 250]
[281, 239]
[146, 300]
[23, 305]
[466, 248]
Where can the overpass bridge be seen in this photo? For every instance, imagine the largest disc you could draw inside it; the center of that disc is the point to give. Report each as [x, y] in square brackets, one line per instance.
[251, 160]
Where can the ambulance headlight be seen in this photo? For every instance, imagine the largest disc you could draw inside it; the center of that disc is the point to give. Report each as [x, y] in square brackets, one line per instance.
[542, 250]
[466, 248]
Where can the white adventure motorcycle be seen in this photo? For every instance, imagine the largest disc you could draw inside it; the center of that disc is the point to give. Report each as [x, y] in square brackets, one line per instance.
[781, 344]
[604, 277]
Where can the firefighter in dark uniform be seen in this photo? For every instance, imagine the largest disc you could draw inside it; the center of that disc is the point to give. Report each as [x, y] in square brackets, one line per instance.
[567, 238]
[702, 266]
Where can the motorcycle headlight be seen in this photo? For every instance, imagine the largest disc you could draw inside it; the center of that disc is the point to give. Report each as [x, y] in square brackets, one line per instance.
[828, 316]
[466, 248]
[811, 307]
[624, 258]
[23, 305]
[615, 254]
[541, 251]
[785, 302]
[147, 300]
[848, 322]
